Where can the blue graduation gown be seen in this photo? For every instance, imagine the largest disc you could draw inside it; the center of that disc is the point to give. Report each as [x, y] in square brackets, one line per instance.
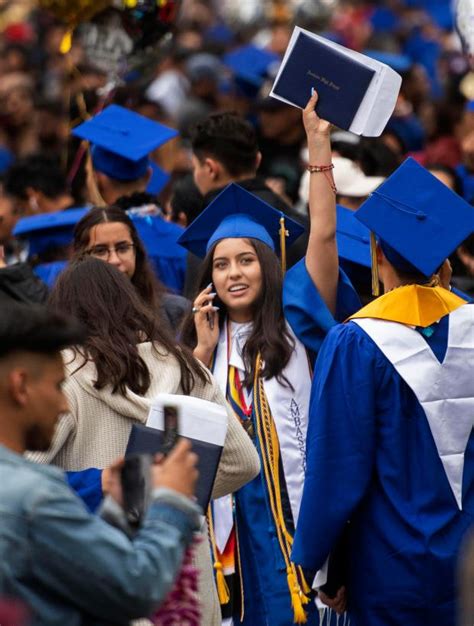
[266, 595]
[267, 599]
[88, 486]
[306, 311]
[371, 459]
[167, 257]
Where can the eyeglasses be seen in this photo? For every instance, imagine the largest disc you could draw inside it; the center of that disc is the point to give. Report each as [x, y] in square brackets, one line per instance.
[122, 250]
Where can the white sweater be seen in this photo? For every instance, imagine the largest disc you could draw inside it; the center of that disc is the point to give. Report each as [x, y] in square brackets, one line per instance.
[95, 433]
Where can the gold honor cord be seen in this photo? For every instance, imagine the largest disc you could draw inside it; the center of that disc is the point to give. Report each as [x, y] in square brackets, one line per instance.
[375, 269]
[270, 462]
[283, 235]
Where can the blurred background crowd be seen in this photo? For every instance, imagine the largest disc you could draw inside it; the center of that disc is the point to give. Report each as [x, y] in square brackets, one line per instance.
[222, 56]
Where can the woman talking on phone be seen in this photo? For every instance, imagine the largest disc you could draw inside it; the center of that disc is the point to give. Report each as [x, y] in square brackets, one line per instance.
[237, 328]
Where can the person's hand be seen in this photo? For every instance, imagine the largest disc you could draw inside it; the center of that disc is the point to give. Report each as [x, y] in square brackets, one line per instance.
[338, 603]
[2, 257]
[314, 126]
[178, 471]
[206, 320]
[111, 481]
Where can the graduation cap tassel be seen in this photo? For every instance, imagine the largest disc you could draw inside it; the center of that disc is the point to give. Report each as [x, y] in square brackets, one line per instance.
[283, 235]
[375, 271]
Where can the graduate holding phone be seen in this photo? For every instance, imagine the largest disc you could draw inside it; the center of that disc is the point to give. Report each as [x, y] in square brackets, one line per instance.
[238, 329]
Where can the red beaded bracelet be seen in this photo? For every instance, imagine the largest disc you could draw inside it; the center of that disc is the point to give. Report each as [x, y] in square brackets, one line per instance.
[320, 168]
[313, 169]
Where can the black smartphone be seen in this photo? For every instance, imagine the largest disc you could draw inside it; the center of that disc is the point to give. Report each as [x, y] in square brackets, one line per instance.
[171, 427]
[135, 478]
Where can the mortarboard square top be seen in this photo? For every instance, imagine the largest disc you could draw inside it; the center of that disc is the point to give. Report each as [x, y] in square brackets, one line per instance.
[235, 214]
[251, 64]
[418, 216]
[122, 141]
[48, 230]
[353, 238]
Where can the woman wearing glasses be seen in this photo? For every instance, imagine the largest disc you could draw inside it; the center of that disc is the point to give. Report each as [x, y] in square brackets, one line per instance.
[108, 234]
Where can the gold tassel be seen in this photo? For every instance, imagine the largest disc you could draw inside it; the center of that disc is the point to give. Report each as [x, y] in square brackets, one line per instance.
[375, 269]
[91, 182]
[222, 588]
[283, 235]
[299, 614]
[303, 584]
[66, 42]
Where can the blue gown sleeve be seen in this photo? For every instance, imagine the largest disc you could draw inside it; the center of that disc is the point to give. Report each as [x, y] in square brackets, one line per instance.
[462, 295]
[88, 486]
[340, 443]
[306, 311]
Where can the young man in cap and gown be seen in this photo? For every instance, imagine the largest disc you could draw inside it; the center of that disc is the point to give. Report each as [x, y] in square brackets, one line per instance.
[390, 447]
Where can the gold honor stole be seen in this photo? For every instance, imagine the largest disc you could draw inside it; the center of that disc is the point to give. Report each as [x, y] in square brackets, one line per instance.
[412, 305]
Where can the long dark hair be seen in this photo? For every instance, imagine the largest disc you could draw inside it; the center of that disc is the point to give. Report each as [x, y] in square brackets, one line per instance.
[104, 300]
[270, 336]
[145, 282]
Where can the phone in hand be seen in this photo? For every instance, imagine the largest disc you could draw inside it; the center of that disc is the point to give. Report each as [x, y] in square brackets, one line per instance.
[171, 427]
[136, 487]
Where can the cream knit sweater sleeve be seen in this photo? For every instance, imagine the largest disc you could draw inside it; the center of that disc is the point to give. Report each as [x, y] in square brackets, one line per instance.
[239, 461]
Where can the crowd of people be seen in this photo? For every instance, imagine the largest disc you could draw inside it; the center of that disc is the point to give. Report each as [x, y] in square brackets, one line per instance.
[185, 233]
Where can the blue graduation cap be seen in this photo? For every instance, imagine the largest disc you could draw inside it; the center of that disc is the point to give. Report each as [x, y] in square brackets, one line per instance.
[48, 230]
[122, 141]
[398, 62]
[251, 64]
[353, 238]
[158, 179]
[236, 213]
[419, 221]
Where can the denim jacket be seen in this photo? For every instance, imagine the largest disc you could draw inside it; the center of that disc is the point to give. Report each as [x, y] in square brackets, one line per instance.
[70, 567]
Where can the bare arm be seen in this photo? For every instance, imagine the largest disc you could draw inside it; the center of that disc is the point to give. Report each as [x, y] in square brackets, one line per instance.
[321, 257]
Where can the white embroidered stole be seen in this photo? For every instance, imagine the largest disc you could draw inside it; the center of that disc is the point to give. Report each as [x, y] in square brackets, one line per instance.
[445, 390]
[290, 411]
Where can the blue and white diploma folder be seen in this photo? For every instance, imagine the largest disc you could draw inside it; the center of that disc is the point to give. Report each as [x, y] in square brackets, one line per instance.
[204, 423]
[356, 93]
